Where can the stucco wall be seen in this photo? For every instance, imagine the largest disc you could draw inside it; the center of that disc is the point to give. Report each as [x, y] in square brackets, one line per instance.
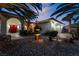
[52, 25]
[0, 26]
[3, 24]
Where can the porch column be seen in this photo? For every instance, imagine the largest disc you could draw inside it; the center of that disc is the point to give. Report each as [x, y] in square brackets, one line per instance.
[3, 24]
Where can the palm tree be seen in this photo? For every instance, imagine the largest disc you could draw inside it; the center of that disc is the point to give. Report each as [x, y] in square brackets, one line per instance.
[70, 9]
[68, 18]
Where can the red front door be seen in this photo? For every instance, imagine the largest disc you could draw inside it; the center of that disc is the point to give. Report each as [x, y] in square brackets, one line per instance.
[13, 29]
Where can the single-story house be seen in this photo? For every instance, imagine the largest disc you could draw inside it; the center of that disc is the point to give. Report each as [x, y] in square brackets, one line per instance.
[51, 24]
[12, 22]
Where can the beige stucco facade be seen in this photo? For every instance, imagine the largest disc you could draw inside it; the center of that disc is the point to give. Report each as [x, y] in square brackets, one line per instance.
[51, 24]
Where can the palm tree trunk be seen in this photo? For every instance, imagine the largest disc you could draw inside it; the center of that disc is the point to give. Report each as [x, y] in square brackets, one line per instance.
[69, 29]
[22, 25]
[28, 24]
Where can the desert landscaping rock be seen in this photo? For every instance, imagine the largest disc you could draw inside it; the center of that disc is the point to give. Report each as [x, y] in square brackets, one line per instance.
[26, 47]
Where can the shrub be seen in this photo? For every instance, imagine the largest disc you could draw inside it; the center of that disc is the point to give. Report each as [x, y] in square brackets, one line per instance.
[51, 33]
[78, 31]
[25, 33]
[75, 34]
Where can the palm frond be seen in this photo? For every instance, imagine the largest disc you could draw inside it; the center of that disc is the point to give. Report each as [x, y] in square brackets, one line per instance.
[65, 8]
[68, 17]
[62, 5]
[51, 4]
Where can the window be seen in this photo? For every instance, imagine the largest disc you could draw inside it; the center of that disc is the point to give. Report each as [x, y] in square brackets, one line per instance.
[52, 22]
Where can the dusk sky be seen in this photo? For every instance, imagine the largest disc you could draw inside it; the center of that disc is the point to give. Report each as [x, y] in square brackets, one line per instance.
[47, 11]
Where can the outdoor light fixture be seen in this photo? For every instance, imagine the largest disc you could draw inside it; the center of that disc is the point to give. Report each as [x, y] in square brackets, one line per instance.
[18, 26]
[8, 26]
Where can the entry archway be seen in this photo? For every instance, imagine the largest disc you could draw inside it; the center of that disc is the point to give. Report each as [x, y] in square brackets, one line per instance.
[13, 22]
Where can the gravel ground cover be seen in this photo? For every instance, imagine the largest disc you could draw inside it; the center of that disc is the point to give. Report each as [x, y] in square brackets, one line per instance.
[28, 47]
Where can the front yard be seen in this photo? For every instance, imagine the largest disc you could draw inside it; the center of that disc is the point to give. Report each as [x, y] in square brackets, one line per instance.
[28, 47]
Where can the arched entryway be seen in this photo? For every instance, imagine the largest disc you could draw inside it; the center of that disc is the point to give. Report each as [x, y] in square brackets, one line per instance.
[13, 26]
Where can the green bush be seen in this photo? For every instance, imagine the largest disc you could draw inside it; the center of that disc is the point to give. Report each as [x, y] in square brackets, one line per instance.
[25, 33]
[77, 33]
[51, 33]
